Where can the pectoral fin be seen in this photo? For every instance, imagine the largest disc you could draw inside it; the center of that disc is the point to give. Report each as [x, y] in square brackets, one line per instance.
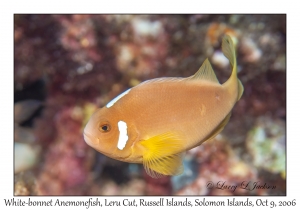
[162, 155]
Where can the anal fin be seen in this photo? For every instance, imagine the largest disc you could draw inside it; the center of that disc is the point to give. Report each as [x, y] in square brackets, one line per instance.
[240, 89]
[217, 130]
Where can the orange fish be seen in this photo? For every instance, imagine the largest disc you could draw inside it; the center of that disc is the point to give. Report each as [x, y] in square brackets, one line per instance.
[155, 122]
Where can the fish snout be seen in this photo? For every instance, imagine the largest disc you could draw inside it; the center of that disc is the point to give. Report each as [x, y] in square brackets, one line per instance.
[89, 138]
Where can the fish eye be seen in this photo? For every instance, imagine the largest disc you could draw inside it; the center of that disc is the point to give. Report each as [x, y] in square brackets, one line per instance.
[104, 128]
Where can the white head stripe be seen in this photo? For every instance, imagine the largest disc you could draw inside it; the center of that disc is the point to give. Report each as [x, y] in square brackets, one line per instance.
[123, 137]
[117, 98]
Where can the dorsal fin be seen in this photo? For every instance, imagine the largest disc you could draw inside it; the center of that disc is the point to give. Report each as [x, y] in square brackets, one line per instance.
[205, 72]
[217, 130]
[162, 80]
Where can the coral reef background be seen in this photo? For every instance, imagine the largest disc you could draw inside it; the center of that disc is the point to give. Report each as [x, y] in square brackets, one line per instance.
[65, 66]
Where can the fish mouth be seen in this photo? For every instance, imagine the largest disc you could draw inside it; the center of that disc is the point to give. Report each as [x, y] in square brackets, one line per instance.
[88, 139]
[91, 141]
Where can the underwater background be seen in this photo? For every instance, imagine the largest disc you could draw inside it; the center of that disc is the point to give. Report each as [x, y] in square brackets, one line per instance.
[65, 66]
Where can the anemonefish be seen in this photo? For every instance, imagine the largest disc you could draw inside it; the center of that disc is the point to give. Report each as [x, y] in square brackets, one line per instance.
[155, 122]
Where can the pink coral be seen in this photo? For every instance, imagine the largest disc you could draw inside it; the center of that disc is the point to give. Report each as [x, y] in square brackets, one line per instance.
[66, 164]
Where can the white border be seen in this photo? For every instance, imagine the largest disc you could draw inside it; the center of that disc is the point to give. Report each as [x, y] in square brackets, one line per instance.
[8, 8]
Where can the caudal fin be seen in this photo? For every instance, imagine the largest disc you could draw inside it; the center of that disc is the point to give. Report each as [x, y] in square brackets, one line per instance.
[228, 49]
